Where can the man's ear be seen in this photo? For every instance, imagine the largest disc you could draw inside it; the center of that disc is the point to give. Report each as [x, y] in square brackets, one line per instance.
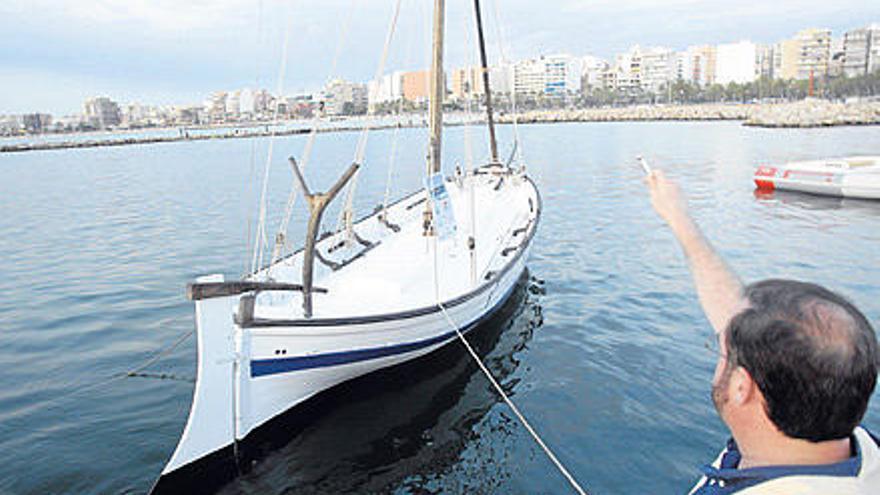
[743, 388]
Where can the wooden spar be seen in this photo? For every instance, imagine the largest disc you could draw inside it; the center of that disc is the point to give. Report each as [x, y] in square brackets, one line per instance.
[437, 90]
[493, 144]
[317, 204]
[198, 291]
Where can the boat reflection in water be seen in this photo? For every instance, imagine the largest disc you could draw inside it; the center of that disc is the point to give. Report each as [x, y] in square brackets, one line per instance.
[407, 425]
[807, 201]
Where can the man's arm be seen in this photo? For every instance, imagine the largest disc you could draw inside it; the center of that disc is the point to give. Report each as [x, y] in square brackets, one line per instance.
[718, 288]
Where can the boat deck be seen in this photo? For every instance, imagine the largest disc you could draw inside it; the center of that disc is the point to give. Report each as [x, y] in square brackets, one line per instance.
[397, 272]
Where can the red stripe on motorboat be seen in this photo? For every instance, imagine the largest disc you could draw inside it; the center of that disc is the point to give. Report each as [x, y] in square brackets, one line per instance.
[764, 178]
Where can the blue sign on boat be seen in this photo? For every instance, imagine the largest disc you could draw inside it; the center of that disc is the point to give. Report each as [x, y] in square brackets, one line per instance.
[444, 218]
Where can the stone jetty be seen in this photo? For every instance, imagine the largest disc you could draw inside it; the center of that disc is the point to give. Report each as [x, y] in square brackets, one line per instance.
[806, 113]
[637, 113]
[814, 113]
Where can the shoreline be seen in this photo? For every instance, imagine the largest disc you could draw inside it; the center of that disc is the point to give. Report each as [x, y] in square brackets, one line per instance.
[798, 115]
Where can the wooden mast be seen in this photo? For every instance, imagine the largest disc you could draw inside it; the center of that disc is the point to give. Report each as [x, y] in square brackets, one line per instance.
[437, 90]
[493, 144]
[435, 122]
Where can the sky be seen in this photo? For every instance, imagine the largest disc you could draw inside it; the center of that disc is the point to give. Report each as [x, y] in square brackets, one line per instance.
[56, 53]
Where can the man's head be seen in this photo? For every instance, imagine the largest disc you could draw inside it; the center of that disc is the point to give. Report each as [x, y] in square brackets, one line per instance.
[809, 351]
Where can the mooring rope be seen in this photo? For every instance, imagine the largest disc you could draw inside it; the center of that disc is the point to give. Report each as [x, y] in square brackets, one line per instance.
[137, 371]
[522, 419]
[555, 460]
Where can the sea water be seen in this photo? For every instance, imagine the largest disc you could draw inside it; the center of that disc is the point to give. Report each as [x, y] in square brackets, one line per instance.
[601, 347]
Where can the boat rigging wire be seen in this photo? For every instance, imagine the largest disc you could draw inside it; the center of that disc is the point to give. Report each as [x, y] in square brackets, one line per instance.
[252, 174]
[469, 152]
[394, 139]
[281, 236]
[260, 241]
[502, 42]
[347, 214]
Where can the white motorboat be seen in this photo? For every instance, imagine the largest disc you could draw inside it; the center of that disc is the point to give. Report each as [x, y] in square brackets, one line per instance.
[389, 288]
[852, 177]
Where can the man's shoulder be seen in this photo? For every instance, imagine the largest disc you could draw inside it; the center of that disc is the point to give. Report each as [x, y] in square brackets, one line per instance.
[858, 475]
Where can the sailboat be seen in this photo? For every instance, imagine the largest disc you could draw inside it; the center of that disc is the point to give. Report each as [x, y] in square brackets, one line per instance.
[389, 288]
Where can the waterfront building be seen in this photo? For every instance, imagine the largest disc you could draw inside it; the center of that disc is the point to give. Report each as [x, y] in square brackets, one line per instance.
[702, 64]
[233, 105]
[466, 82]
[388, 88]
[814, 52]
[786, 59]
[736, 63]
[101, 112]
[500, 78]
[861, 50]
[215, 106]
[836, 57]
[415, 85]
[469, 81]
[301, 106]
[345, 98]
[528, 77]
[764, 60]
[247, 103]
[627, 70]
[658, 69]
[594, 73]
[136, 115]
[683, 66]
[67, 123]
[35, 123]
[262, 103]
[549, 75]
[188, 115]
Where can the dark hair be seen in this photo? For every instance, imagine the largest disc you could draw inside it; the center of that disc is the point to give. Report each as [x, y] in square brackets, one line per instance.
[812, 354]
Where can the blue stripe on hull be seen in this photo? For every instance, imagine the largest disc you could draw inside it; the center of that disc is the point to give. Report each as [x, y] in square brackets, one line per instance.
[265, 367]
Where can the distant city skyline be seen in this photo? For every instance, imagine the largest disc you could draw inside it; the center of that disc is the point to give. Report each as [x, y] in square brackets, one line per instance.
[58, 53]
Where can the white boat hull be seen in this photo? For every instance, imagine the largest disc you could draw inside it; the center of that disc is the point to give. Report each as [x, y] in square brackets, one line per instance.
[855, 177]
[251, 372]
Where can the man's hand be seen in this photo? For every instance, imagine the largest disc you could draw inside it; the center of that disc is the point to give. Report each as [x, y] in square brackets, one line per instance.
[667, 200]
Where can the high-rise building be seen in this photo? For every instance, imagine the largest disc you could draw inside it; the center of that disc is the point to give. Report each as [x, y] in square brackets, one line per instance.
[345, 98]
[416, 85]
[702, 64]
[215, 106]
[467, 82]
[384, 90]
[765, 56]
[233, 104]
[594, 71]
[736, 63]
[658, 68]
[786, 57]
[814, 52]
[548, 75]
[836, 57]
[35, 123]
[528, 77]
[101, 112]
[861, 50]
[627, 70]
